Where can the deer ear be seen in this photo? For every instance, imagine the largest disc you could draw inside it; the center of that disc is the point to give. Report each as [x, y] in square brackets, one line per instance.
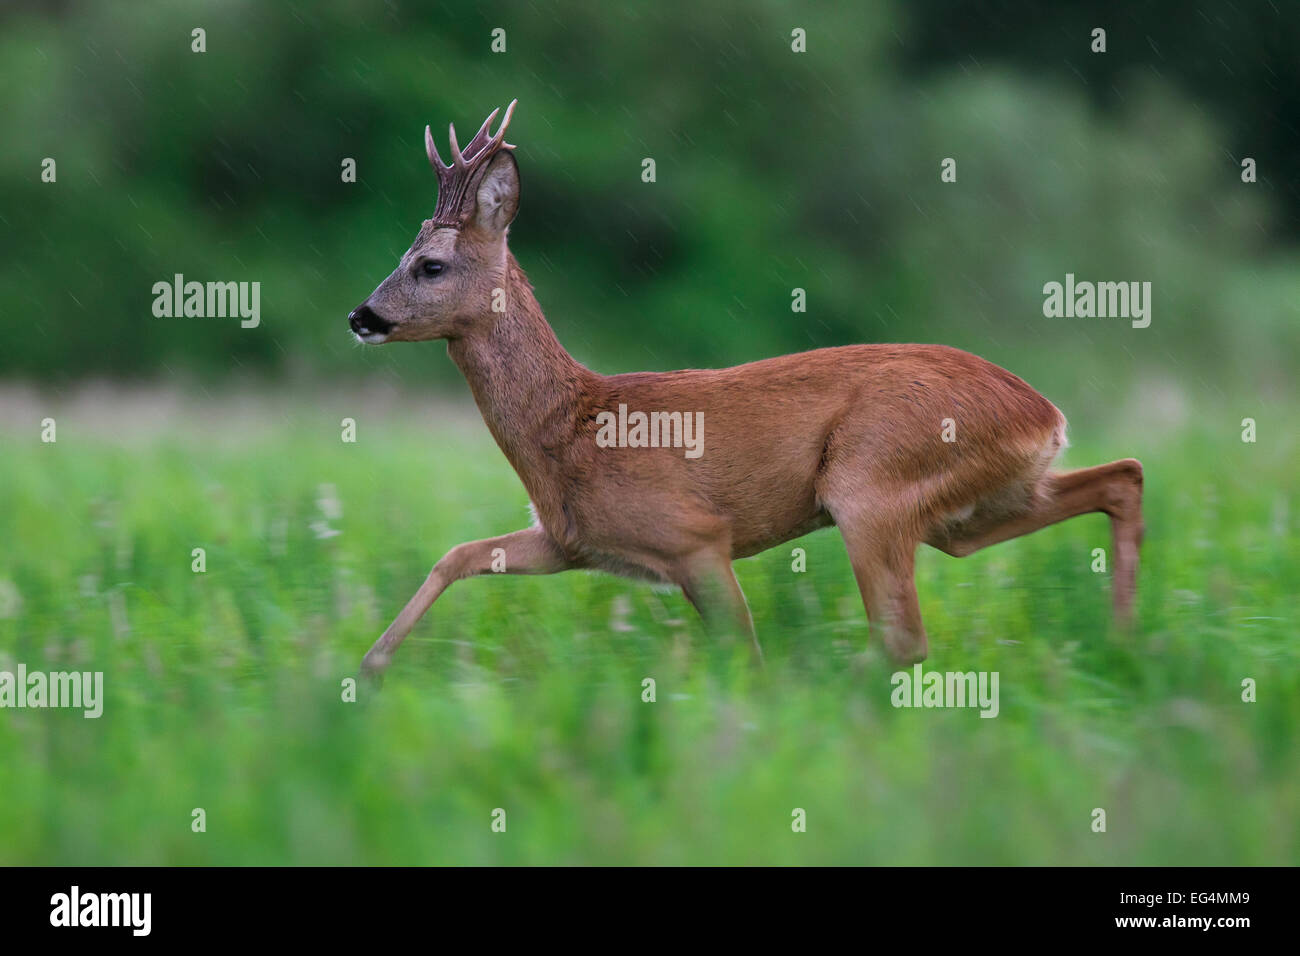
[498, 194]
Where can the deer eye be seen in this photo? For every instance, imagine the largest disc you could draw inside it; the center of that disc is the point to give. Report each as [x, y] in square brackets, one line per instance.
[430, 267]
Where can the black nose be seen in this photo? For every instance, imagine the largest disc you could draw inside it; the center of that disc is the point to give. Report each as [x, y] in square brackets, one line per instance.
[365, 321]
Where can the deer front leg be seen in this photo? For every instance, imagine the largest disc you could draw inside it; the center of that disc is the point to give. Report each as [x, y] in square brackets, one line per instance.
[530, 551]
[709, 583]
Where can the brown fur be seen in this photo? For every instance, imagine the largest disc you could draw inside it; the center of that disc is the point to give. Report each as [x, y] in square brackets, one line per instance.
[846, 436]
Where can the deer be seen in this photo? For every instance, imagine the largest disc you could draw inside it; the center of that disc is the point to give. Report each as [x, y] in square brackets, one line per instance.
[895, 445]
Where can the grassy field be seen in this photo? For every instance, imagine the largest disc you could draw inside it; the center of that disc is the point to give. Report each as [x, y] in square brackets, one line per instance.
[224, 689]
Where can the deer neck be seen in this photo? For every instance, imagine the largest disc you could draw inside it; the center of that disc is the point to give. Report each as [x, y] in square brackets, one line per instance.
[526, 386]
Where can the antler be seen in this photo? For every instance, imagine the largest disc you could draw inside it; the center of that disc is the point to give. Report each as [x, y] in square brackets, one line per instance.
[455, 180]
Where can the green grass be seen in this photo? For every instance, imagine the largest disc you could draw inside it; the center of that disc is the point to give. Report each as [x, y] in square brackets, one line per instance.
[224, 688]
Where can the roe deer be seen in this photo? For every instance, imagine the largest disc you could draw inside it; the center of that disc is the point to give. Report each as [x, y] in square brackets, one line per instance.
[850, 436]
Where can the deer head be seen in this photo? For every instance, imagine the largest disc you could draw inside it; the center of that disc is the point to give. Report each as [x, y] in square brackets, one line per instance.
[443, 286]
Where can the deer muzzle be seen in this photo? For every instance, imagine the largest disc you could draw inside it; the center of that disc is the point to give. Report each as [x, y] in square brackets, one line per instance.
[368, 325]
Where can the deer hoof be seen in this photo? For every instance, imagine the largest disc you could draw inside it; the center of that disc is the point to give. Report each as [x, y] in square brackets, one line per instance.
[372, 670]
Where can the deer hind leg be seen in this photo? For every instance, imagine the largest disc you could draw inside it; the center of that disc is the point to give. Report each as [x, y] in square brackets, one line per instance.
[530, 551]
[1114, 489]
[883, 560]
[708, 581]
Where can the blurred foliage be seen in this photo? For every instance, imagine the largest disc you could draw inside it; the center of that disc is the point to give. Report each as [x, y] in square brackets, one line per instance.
[224, 689]
[1237, 61]
[775, 170]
